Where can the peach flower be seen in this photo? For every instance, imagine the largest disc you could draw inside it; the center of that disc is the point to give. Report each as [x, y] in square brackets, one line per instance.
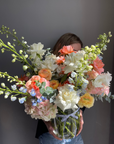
[66, 50]
[45, 73]
[92, 74]
[98, 65]
[86, 100]
[60, 60]
[31, 84]
[54, 84]
[97, 90]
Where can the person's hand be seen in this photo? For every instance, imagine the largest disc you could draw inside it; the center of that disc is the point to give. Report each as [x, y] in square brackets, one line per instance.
[50, 129]
[81, 123]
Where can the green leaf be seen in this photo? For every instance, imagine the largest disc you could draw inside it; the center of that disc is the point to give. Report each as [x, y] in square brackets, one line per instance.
[43, 84]
[64, 78]
[42, 90]
[49, 90]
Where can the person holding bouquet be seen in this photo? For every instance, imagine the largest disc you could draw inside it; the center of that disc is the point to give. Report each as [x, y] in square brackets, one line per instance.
[44, 131]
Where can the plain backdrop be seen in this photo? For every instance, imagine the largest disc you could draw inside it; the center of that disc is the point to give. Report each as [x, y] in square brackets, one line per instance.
[45, 21]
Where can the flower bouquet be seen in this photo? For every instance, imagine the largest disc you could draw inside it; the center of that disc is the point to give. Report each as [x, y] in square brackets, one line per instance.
[54, 88]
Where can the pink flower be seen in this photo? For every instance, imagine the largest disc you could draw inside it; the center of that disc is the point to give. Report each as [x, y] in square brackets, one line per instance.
[92, 74]
[97, 90]
[98, 65]
[44, 110]
[31, 84]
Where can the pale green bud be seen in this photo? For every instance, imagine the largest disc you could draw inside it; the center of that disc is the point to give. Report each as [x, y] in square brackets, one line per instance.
[22, 37]
[85, 62]
[110, 35]
[13, 55]
[26, 56]
[16, 77]
[86, 47]
[93, 47]
[8, 43]
[1, 92]
[98, 51]
[28, 74]
[3, 85]
[108, 40]
[25, 67]
[94, 56]
[85, 56]
[2, 50]
[21, 51]
[13, 60]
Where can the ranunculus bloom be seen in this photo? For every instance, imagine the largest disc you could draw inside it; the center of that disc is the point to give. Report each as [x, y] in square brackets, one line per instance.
[54, 84]
[60, 60]
[86, 100]
[31, 84]
[67, 98]
[92, 74]
[98, 65]
[66, 50]
[45, 73]
[45, 110]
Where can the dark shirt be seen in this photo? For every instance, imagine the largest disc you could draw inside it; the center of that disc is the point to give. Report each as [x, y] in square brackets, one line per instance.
[41, 127]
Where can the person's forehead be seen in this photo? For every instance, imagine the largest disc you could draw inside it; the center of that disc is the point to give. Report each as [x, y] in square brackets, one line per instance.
[76, 46]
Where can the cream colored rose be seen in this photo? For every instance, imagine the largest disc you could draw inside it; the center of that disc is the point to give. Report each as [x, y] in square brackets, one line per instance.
[67, 97]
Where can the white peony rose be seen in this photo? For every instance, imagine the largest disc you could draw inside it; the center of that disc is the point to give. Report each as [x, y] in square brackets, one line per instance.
[36, 49]
[67, 97]
[102, 79]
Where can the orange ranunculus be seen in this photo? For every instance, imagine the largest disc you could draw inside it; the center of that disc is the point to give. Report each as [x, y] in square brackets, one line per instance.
[66, 50]
[45, 73]
[60, 60]
[86, 100]
[54, 84]
[98, 65]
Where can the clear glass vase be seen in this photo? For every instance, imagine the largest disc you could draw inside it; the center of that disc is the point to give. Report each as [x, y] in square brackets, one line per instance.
[68, 128]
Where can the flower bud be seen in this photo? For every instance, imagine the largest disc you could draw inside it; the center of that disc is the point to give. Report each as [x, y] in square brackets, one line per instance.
[1, 92]
[13, 60]
[25, 67]
[21, 51]
[13, 55]
[3, 85]
[2, 50]
[26, 56]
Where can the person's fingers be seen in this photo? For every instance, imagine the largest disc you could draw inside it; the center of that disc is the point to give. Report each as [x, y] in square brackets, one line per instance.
[81, 123]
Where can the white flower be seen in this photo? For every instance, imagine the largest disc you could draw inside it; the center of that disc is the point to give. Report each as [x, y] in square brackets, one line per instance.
[67, 99]
[36, 49]
[73, 74]
[49, 63]
[102, 79]
[72, 61]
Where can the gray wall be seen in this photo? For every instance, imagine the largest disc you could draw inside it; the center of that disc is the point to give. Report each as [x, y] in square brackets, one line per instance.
[45, 21]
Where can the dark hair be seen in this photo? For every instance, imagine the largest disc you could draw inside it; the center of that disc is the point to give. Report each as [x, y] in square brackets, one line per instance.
[64, 40]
